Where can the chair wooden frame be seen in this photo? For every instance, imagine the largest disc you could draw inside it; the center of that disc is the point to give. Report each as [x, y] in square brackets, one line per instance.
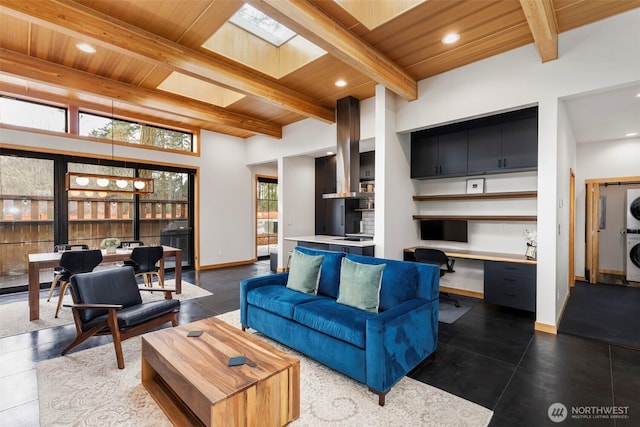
[110, 325]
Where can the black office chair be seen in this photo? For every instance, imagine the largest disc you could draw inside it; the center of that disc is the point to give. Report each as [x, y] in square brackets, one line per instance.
[59, 271]
[144, 260]
[439, 258]
[74, 262]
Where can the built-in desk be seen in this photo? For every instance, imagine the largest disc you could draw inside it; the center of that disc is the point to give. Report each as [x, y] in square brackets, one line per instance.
[479, 255]
[509, 279]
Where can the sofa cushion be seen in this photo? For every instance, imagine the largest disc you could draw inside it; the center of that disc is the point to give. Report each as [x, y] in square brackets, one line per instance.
[304, 272]
[399, 281]
[360, 285]
[336, 320]
[278, 299]
[330, 271]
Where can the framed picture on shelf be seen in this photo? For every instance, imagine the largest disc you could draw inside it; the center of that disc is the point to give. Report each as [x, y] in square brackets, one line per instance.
[475, 185]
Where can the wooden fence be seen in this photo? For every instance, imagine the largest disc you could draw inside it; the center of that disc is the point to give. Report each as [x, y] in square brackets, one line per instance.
[26, 224]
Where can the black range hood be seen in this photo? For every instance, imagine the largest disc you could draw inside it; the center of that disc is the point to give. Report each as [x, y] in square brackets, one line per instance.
[348, 150]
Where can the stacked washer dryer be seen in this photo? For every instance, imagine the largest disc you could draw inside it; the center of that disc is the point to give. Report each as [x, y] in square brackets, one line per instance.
[632, 264]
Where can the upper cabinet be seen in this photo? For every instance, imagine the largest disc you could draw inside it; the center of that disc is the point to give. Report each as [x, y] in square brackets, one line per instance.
[368, 166]
[438, 155]
[502, 143]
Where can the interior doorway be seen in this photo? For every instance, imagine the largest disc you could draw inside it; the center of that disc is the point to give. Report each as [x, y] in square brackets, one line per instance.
[266, 215]
[606, 231]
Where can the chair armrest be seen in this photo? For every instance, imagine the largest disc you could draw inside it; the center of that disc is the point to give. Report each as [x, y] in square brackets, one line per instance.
[247, 285]
[398, 339]
[85, 306]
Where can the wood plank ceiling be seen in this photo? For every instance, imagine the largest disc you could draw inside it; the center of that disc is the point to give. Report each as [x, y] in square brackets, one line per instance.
[182, 63]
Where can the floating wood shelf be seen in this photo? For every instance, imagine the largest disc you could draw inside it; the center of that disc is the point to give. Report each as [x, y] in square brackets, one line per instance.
[477, 196]
[504, 218]
[364, 210]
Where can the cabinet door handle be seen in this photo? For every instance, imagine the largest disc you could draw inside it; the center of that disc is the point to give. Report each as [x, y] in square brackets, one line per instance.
[499, 163]
[510, 295]
[509, 280]
[342, 216]
[504, 163]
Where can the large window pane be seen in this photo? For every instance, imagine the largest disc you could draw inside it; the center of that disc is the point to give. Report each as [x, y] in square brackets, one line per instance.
[96, 215]
[33, 115]
[134, 133]
[164, 215]
[26, 215]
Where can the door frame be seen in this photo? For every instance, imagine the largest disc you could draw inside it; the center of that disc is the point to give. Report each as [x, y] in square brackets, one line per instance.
[572, 229]
[258, 177]
[592, 221]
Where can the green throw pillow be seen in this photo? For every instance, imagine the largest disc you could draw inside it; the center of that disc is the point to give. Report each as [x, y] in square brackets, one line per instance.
[304, 272]
[360, 285]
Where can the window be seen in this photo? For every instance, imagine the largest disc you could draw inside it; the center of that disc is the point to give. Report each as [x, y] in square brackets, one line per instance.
[260, 25]
[36, 212]
[134, 133]
[33, 115]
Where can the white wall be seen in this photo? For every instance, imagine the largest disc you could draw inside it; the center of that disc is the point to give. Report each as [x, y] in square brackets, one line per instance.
[566, 163]
[394, 190]
[296, 202]
[610, 159]
[227, 202]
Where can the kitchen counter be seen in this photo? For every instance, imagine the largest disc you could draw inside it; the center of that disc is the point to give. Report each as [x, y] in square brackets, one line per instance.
[332, 240]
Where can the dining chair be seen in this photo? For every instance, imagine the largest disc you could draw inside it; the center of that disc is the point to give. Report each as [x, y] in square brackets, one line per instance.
[144, 260]
[74, 262]
[59, 271]
[439, 258]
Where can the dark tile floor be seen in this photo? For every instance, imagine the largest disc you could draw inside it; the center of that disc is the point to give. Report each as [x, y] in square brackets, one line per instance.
[491, 356]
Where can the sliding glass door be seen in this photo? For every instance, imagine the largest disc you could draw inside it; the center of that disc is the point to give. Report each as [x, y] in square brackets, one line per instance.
[37, 212]
[26, 215]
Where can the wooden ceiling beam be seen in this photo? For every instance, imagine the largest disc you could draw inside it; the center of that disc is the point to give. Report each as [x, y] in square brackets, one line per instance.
[43, 71]
[78, 21]
[541, 18]
[310, 22]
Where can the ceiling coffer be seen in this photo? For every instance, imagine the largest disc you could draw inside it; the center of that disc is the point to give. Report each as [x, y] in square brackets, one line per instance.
[348, 150]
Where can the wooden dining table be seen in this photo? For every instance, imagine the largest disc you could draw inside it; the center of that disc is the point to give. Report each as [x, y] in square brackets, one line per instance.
[39, 261]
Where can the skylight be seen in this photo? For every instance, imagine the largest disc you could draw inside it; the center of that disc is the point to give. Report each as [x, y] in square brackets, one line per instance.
[257, 23]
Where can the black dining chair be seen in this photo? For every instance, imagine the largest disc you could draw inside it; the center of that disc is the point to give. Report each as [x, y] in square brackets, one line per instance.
[144, 260]
[59, 271]
[439, 258]
[74, 262]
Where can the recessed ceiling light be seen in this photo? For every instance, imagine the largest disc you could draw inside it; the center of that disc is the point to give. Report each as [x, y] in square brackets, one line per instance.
[638, 95]
[341, 83]
[330, 153]
[85, 47]
[451, 38]
[631, 134]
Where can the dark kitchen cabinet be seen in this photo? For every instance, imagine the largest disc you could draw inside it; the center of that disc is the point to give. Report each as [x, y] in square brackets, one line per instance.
[500, 143]
[503, 147]
[438, 155]
[334, 217]
[368, 166]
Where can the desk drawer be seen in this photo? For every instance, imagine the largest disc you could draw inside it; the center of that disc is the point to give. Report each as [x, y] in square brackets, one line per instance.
[500, 267]
[509, 285]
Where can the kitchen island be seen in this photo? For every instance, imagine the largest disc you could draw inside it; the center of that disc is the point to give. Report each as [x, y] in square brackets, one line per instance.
[352, 244]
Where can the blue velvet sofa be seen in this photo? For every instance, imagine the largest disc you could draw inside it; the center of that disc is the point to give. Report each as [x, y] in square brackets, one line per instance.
[377, 349]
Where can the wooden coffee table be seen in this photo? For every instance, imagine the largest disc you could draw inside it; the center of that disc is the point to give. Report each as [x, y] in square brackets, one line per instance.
[189, 378]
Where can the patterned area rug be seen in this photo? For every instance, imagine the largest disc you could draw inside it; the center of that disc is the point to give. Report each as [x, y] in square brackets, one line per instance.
[114, 397]
[14, 317]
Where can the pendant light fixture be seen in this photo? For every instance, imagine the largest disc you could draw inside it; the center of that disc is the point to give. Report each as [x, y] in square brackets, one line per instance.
[78, 181]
